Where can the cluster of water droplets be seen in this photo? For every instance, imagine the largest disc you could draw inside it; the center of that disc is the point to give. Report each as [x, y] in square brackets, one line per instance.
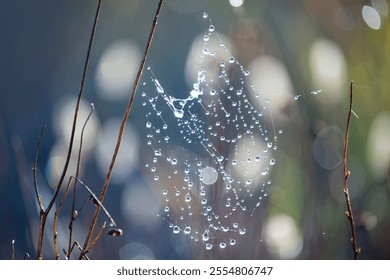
[211, 150]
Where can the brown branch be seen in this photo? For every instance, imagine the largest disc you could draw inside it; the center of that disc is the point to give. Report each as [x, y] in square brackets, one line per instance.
[93, 243]
[44, 213]
[55, 234]
[349, 213]
[96, 201]
[122, 127]
[42, 218]
[39, 198]
[79, 247]
[73, 216]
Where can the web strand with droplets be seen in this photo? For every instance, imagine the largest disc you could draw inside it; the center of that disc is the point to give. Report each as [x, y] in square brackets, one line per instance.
[211, 150]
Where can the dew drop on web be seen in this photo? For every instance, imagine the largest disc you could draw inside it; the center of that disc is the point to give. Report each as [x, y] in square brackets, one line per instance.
[210, 150]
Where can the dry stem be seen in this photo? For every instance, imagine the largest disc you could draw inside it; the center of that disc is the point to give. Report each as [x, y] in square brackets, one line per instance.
[349, 213]
[121, 130]
[44, 213]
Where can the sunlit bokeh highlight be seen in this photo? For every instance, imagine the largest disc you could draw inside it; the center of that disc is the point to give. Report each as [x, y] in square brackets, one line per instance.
[282, 237]
[371, 17]
[116, 70]
[378, 145]
[328, 70]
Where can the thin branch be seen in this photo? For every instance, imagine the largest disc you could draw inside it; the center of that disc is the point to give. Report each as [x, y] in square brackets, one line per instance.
[114, 231]
[122, 127]
[349, 213]
[55, 234]
[39, 198]
[79, 247]
[72, 214]
[93, 243]
[97, 202]
[42, 218]
[45, 213]
[83, 79]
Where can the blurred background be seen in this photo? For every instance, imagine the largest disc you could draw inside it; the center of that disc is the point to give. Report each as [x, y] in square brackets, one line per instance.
[303, 54]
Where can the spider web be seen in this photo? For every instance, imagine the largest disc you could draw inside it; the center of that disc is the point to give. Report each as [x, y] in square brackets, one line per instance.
[211, 151]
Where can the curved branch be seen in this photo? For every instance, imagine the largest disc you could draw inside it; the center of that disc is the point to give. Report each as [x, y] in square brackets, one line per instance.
[44, 213]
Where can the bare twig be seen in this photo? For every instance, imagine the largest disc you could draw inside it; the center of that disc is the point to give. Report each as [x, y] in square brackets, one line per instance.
[122, 127]
[39, 198]
[96, 201]
[93, 243]
[349, 213]
[42, 218]
[114, 231]
[44, 213]
[79, 247]
[55, 234]
[72, 214]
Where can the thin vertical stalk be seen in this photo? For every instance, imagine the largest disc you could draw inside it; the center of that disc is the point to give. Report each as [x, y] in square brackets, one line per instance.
[349, 212]
[44, 213]
[122, 127]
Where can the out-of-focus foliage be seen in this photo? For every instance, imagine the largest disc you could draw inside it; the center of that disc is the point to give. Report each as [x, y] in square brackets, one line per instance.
[306, 49]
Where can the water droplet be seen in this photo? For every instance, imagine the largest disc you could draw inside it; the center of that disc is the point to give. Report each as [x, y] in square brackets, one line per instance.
[156, 178]
[176, 229]
[115, 232]
[242, 231]
[232, 242]
[206, 38]
[187, 230]
[239, 92]
[178, 113]
[205, 235]
[232, 59]
[296, 97]
[222, 245]
[315, 92]
[269, 145]
[148, 125]
[205, 15]
[209, 246]
[211, 28]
